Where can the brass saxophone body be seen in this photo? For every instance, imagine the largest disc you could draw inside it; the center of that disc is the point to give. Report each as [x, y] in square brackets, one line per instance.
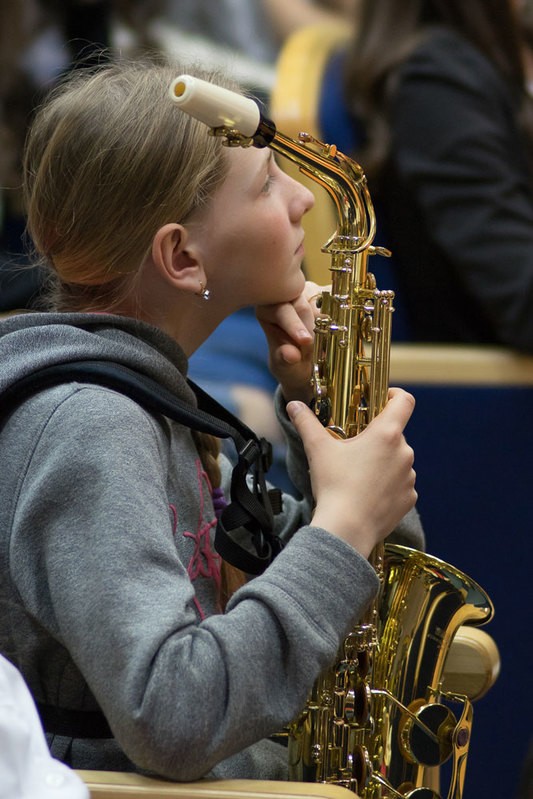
[378, 721]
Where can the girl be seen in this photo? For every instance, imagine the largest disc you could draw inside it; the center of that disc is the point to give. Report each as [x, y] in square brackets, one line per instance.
[113, 599]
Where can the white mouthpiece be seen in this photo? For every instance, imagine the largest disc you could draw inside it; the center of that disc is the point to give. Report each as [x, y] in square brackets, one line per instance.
[214, 106]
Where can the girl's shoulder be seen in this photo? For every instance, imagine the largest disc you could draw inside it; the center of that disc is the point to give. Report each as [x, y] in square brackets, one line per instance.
[81, 417]
[442, 54]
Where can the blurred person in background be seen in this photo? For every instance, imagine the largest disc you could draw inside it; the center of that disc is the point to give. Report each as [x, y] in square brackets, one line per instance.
[441, 91]
[41, 40]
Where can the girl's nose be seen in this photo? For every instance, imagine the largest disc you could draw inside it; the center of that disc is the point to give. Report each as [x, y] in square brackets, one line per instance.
[302, 202]
[309, 199]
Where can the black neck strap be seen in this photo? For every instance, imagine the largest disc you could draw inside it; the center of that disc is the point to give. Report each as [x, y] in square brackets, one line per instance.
[245, 534]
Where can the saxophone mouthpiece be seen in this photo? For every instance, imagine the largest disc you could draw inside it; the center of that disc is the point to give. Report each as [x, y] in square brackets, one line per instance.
[214, 106]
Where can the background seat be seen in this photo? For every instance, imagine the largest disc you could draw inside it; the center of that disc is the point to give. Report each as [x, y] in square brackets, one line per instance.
[110, 785]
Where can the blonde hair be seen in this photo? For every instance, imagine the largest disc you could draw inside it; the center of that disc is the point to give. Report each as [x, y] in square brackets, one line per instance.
[110, 159]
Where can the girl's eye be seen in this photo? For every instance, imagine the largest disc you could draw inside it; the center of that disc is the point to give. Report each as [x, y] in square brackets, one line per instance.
[268, 184]
[272, 171]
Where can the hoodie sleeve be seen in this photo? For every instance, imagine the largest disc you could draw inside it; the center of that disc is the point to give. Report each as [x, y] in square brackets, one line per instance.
[94, 561]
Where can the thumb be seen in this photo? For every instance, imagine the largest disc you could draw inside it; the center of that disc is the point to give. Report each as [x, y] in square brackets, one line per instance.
[399, 408]
[305, 422]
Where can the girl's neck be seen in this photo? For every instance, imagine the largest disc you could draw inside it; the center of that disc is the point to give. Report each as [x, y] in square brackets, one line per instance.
[189, 322]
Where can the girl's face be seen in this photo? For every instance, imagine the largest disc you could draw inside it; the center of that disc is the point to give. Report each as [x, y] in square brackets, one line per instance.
[251, 232]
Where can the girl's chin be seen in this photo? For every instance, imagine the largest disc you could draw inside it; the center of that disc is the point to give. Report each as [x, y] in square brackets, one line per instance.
[295, 290]
[289, 291]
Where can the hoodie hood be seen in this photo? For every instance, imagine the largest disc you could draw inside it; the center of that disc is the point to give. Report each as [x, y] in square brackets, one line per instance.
[32, 341]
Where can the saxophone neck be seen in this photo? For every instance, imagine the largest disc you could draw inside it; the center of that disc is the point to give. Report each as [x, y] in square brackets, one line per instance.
[345, 182]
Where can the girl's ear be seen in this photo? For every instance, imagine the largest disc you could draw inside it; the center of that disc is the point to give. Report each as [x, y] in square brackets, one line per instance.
[176, 258]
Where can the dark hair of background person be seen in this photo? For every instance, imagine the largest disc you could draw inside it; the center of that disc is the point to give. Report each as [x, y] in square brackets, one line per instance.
[84, 26]
[85, 40]
[493, 26]
[84, 29]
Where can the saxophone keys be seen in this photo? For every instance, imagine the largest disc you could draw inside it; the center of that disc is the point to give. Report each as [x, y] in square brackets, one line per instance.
[364, 662]
[426, 733]
[362, 698]
[362, 639]
[362, 767]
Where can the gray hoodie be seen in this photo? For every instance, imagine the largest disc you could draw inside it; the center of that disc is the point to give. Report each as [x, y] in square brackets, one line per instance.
[108, 574]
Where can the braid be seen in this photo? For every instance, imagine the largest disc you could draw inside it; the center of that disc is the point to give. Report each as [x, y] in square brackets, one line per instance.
[208, 447]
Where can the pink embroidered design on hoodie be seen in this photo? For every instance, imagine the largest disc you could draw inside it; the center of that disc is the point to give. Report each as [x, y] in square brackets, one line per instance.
[204, 561]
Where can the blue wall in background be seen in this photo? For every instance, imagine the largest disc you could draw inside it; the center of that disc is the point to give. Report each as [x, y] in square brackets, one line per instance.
[473, 451]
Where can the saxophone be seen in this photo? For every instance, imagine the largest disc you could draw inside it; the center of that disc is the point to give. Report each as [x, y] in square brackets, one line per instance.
[378, 721]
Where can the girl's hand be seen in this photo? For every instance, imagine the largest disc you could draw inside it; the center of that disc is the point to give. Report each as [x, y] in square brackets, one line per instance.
[362, 486]
[288, 328]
